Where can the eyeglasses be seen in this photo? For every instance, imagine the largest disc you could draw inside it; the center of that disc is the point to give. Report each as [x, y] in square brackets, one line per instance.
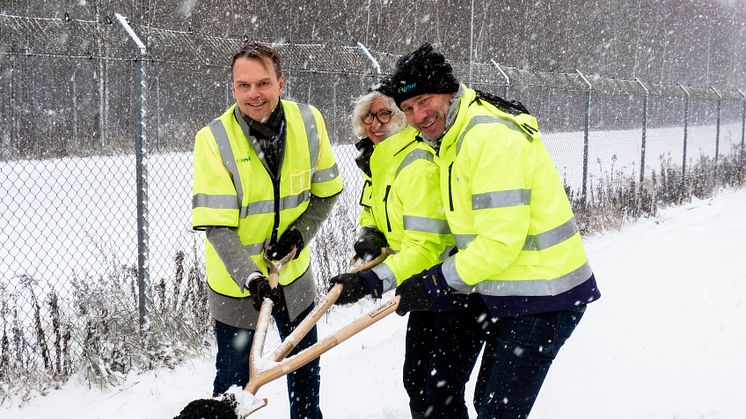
[382, 117]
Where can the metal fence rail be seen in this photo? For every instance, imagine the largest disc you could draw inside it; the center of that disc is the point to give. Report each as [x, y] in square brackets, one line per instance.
[90, 194]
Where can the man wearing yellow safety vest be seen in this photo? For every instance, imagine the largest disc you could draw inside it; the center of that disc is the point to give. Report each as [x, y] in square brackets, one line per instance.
[265, 177]
[518, 245]
[401, 208]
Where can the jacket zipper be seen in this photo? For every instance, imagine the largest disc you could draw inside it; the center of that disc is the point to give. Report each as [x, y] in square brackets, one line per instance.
[450, 192]
[276, 226]
[386, 206]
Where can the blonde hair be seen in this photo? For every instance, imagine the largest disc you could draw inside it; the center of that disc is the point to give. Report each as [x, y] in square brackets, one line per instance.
[362, 106]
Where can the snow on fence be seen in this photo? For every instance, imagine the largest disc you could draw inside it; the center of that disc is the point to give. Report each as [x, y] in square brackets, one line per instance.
[68, 162]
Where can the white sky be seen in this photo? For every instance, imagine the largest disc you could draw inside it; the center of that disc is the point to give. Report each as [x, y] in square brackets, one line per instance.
[666, 340]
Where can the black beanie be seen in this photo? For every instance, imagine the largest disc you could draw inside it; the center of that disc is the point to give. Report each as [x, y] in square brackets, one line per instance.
[420, 71]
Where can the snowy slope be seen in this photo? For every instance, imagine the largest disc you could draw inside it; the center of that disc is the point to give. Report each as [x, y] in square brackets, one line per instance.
[665, 341]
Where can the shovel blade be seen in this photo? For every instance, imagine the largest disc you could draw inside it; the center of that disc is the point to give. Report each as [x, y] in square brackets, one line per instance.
[251, 408]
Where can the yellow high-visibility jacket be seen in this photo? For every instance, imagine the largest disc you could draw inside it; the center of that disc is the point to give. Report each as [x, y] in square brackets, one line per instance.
[402, 200]
[232, 187]
[508, 211]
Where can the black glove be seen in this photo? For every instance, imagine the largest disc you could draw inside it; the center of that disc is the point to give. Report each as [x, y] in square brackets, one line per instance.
[368, 247]
[354, 289]
[291, 237]
[419, 291]
[260, 289]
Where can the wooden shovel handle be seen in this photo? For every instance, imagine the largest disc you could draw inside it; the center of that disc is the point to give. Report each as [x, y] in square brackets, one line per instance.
[305, 326]
[273, 268]
[286, 366]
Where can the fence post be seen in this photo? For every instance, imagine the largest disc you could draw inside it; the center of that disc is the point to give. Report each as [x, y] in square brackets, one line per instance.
[505, 76]
[717, 129]
[644, 130]
[743, 124]
[141, 173]
[373, 63]
[586, 132]
[471, 40]
[686, 130]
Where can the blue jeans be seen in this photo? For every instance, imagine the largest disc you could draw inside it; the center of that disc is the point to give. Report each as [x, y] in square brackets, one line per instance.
[441, 350]
[232, 364]
[517, 355]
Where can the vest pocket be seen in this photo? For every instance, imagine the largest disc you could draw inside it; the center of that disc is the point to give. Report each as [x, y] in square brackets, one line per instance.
[299, 182]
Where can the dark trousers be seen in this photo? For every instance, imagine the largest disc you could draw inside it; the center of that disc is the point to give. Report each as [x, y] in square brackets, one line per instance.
[232, 364]
[441, 350]
[517, 355]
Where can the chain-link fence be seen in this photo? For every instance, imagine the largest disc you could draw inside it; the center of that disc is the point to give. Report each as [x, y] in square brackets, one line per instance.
[93, 201]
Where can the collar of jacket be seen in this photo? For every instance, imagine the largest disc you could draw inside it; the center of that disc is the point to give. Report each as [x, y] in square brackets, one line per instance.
[393, 146]
[365, 146]
[462, 117]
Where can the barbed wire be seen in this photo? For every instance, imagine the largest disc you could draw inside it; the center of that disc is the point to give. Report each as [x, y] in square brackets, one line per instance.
[75, 38]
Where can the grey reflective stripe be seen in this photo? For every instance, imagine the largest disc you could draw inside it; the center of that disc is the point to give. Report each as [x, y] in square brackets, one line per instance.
[386, 275]
[259, 207]
[463, 240]
[413, 156]
[214, 201]
[268, 206]
[426, 225]
[325, 175]
[483, 119]
[500, 199]
[540, 241]
[312, 133]
[452, 277]
[550, 238]
[226, 153]
[254, 249]
[535, 288]
[293, 201]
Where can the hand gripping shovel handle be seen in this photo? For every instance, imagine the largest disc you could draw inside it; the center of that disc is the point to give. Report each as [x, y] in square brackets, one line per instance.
[265, 311]
[286, 366]
[305, 326]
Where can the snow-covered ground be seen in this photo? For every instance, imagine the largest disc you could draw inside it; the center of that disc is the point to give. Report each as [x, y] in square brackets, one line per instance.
[666, 340]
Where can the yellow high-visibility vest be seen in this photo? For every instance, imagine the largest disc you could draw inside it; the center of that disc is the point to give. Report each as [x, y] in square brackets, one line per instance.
[232, 187]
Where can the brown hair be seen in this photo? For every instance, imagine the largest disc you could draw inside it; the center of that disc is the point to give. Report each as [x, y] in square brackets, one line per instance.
[259, 51]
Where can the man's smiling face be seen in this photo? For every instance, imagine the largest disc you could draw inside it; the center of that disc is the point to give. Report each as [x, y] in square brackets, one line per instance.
[256, 87]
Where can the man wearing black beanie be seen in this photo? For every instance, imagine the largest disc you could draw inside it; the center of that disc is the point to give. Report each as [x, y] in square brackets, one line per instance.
[518, 245]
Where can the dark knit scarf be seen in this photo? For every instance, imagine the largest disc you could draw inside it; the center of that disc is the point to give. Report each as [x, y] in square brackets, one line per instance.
[271, 137]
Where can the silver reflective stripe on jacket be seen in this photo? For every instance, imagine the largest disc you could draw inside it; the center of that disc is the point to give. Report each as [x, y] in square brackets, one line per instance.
[426, 225]
[501, 199]
[452, 277]
[226, 154]
[483, 119]
[527, 288]
[309, 122]
[386, 275]
[552, 237]
[268, 206]
[536, 288]
[214, 201]
[325, 175]
[413, 156]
